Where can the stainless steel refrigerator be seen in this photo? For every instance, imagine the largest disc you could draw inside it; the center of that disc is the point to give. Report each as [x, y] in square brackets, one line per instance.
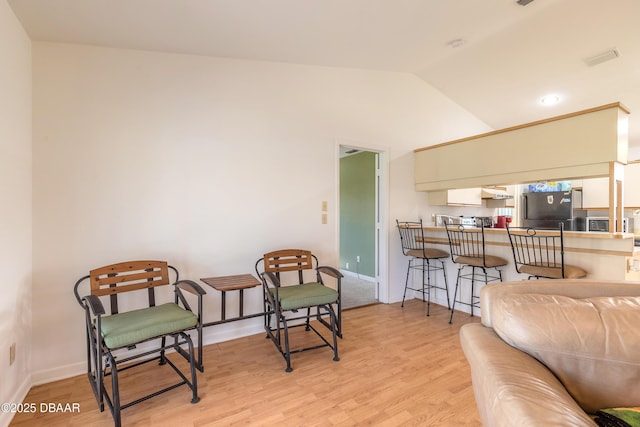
[548, 209]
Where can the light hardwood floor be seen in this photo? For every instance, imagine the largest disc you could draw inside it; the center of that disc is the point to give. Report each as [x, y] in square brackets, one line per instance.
[397, 368]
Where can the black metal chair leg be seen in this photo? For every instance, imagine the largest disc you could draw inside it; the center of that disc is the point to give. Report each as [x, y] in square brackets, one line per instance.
[406, 283]
[115, 391]
[192, 366]
[163, 342]
[339, 318]
[287, 353]
[428, 273]
[307, 322]
[455, 293]
[423, 284]
[332, 314]
[446, 285]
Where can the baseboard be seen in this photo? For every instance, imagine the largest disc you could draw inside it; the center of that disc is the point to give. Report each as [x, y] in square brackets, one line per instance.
[18, 397]
[210, 336]
[358, 276]
[45, 376]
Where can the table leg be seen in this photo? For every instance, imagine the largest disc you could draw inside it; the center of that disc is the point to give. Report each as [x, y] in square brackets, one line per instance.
[224, 304]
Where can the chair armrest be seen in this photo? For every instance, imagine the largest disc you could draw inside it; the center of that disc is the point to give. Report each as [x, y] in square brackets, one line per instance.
[93, 302]
[76, 292]
[191, 287]
[333, 272]
[267, 277]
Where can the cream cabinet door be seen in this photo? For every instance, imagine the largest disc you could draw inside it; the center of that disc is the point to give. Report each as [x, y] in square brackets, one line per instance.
[458, 197]
[595, 193]
[632, 185]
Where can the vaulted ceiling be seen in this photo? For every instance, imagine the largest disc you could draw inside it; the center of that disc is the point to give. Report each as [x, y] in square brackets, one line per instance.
[496, 58]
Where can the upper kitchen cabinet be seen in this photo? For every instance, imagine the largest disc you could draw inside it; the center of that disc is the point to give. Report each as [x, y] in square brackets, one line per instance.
[632, 185]
[458, 197]
[595, 193]
[581, 144]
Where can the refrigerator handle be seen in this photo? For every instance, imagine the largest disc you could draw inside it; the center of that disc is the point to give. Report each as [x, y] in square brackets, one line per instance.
[525, 210]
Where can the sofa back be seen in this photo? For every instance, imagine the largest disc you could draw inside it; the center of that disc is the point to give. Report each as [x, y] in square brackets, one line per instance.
[576, 288]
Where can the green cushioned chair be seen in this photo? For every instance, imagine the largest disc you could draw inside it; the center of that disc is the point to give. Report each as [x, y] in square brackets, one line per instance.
[122, 331]
[312, 296]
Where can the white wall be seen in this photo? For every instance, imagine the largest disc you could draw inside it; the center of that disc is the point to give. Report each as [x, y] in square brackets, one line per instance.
[205, 162]
[15, 215]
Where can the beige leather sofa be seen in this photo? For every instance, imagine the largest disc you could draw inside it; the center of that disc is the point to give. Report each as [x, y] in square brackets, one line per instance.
[552, 352]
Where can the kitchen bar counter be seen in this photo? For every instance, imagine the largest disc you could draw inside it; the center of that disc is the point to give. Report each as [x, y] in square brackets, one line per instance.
[606, 256]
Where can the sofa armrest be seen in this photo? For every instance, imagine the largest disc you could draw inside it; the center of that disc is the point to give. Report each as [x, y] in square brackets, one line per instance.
[512, 388]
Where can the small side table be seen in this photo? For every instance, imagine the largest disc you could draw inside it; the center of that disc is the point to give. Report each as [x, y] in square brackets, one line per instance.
[238, 282]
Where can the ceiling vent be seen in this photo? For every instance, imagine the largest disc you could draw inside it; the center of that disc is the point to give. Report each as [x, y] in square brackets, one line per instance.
[602, 57]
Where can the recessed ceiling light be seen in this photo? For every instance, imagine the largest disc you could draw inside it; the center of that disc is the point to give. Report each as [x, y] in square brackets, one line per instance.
[550, 99]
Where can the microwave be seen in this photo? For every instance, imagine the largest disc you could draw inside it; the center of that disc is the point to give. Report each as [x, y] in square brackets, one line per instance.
[601, 224]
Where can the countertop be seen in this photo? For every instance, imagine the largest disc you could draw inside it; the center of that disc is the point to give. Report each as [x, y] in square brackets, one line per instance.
[579, 234]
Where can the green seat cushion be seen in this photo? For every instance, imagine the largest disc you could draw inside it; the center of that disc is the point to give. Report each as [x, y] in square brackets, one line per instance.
[131, 327]
[305, 295]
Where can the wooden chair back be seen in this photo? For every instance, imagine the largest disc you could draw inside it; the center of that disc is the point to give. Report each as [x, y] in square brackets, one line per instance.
[288, 260]
[128, 276]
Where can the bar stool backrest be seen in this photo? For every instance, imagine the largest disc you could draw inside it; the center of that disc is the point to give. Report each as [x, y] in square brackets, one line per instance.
[466, 241]
[538, 249]
[411, 235]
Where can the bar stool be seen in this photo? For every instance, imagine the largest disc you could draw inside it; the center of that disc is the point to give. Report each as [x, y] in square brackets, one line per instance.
[468, 250]
[422, 259]
[540, 253]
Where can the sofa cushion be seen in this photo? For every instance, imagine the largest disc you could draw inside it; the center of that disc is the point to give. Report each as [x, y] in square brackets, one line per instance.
[592, 345]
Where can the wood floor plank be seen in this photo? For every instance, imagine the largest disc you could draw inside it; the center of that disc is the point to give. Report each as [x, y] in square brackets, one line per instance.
[397, 367]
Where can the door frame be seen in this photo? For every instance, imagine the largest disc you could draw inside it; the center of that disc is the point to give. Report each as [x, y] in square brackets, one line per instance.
[382, 214]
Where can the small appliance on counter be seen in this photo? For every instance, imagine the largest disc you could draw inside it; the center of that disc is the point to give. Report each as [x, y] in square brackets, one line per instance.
[601, 224]
[502, 221]
[457, 220]
[487, 221]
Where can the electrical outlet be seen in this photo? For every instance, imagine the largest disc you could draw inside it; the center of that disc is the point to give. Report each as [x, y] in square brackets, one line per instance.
[12, 354]
[347, 266]
[358, 258]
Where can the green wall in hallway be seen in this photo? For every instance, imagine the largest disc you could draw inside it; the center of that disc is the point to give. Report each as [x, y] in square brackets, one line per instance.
[357, 213]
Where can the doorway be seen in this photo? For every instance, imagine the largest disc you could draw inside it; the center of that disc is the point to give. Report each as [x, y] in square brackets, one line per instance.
[361, 175]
